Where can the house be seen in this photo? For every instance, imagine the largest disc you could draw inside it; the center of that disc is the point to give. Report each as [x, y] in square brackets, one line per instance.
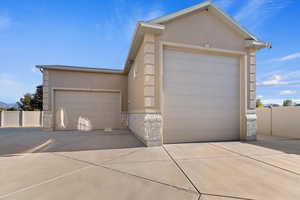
[189, 76]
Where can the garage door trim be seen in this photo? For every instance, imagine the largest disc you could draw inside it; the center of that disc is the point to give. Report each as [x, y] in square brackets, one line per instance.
[78, 90]
[243, 73]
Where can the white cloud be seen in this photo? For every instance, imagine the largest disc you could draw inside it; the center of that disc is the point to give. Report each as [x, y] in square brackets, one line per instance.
[251, 7]
[140, 14]
[280, 78]
[295, 75]
[12, 89]
[260, 96]
[287, 92]
[276, 80]
[282, 59]
[5, 22]
[289, 57]
[255, 12]
[224, 4]
[126, 19]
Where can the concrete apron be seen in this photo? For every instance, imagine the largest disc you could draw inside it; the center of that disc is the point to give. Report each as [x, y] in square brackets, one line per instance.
[224, 170]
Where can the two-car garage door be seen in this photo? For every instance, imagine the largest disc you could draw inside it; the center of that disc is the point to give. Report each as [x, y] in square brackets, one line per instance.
[201, 97]
[87, 110]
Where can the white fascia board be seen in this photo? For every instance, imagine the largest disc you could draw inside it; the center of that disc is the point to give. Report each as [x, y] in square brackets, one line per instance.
[157, 28]
[258, 44]
[79, 69]
[141, 29]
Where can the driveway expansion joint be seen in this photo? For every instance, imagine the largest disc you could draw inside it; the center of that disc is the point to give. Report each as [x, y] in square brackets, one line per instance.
[148, 179]
[120, 156]
[226, 196]
[183, 172]
[44, 182]
[260, 161]
[126, 173]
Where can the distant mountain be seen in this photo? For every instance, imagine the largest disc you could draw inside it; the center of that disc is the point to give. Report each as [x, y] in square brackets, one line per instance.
[3, 105]
[7, 105]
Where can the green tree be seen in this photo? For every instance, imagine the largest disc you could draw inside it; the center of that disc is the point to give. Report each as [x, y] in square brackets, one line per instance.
[12, 109]
[25, 102]
[287, 102]
[37, 100]
[259, 104]
[30, 102]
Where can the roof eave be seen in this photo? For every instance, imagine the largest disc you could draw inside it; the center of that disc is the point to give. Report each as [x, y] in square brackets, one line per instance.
[141, 29]
[79, 69]
[257, 45]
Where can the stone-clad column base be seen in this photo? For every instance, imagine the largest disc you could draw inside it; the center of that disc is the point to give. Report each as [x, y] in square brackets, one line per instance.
[124, 120]
[251, 128]
[147, 128]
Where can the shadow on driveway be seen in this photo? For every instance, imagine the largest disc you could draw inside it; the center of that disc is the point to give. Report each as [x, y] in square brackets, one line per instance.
[32, 140]
[285, 145]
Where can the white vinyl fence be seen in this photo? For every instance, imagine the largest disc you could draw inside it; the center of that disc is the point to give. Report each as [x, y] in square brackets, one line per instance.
[279, 121]
[21, 119]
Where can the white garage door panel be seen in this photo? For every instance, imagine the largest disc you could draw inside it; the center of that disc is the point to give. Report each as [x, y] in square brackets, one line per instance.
[83, 110]
[205, 102]
[201, 97]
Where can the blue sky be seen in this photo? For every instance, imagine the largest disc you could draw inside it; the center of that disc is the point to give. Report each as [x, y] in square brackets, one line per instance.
[96, 34]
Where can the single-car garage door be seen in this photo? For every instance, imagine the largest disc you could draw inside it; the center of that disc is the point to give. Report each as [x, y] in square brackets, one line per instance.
[86, 110]
[201, 97]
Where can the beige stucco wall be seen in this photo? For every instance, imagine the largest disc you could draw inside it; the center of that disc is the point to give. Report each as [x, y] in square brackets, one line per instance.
[199, 28]
[285, 122]
[32, 118]
[20, 118]
[136, 84]
[263, 121]
[202, 29]
[87, 80]
[279, 121]
[11, 118]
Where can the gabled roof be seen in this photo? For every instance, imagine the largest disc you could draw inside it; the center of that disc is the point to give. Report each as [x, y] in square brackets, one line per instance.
[156, 26]
[212, 7]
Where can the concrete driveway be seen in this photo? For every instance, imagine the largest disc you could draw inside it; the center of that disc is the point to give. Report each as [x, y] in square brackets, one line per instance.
[98, 165]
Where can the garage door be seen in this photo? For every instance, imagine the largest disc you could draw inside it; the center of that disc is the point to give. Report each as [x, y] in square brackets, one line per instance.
[201, 97]
[81, 110]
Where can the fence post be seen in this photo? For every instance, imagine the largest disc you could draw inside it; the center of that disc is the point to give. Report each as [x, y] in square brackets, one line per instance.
[41, 118]
[21, 122]
[271, 121]
[1, 118]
